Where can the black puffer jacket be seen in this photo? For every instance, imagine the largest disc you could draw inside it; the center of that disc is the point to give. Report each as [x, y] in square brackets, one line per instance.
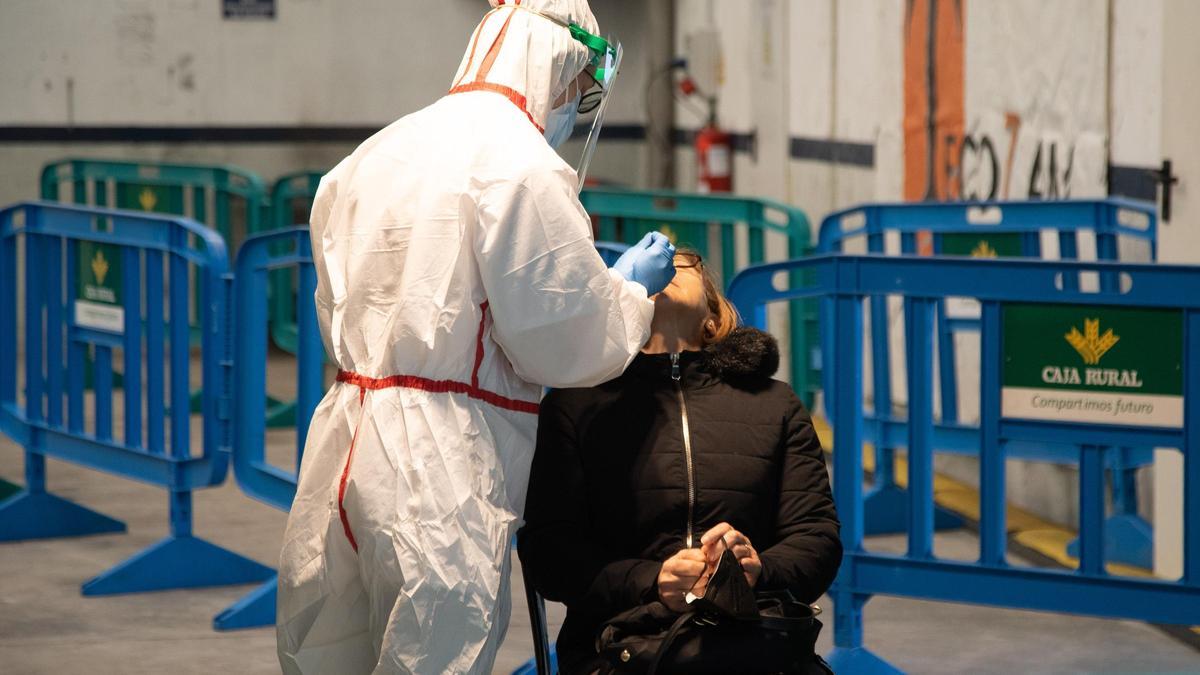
[609, 490]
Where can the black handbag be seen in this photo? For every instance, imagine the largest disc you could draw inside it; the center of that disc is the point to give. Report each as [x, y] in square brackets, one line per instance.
[729, 630]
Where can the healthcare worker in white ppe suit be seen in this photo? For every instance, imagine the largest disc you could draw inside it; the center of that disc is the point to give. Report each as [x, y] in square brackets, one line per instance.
[456, 277]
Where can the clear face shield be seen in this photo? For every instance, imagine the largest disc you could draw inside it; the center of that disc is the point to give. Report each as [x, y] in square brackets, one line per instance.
[602, 72]
[589, 93]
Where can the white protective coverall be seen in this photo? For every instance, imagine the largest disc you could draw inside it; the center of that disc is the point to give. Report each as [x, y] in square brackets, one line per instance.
[456, 276]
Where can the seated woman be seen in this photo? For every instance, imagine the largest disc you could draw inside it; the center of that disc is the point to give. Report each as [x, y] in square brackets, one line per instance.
[634, 480]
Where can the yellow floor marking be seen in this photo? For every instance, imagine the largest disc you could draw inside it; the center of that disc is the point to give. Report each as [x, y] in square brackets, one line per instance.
[947, 492]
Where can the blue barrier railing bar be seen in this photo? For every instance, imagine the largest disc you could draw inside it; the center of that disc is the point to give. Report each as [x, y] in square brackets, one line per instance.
[1191, 477]
[258, 256]
[180, 560]
[1153, 284]
[1017, 217]
[255, 476]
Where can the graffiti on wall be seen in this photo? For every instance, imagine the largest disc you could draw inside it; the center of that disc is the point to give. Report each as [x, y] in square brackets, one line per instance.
[1012, 139]
[982, 166]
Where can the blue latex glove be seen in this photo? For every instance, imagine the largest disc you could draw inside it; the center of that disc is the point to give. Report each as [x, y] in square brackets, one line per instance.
[650, 262]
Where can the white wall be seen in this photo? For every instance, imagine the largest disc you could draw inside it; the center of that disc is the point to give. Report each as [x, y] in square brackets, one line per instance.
[179, 62]
[1046, 64]
[1136, 84]
[157, 63]
[845, 85]
[1180, 236]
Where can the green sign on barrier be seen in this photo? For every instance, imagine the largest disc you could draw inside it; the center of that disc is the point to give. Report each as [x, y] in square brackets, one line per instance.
[999, 244]
[98, 291]
[977, 245]
[154, 198]
[1100, 365]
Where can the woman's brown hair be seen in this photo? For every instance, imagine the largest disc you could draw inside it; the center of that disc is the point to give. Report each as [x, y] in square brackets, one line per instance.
[722, 317]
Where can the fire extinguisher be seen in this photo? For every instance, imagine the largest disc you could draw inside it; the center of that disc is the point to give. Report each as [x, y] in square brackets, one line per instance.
[714, 159]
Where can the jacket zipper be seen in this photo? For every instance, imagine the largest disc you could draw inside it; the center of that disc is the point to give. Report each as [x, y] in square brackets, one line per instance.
[687, 449]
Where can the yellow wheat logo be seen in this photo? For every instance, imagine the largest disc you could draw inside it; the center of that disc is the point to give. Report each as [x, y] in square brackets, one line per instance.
[99, 267]
[983, 250]
[1090, 344]
[147, 199]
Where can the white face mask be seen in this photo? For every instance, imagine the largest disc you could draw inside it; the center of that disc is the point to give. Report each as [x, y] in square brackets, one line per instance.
[561, 122]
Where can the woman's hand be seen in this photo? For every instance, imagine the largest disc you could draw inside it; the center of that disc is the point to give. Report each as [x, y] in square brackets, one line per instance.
[679, 575]
[737, 542]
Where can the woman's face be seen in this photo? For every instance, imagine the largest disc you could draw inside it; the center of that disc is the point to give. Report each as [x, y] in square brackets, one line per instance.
[685, 297]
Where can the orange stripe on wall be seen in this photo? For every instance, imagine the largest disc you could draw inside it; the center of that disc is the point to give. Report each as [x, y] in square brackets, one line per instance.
[916, 100]
[950, 80]
[932, 173]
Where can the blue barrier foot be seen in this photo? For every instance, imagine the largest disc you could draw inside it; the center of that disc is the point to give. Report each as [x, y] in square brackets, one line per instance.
[530, 666]
[885, 511]
[41, 515]
[178, 562]
[858, 660]
[253, 610]
[1128, 539]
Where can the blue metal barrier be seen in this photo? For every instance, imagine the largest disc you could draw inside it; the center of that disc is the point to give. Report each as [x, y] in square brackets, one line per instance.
[985, 229]
[610, 251]
[259, 257]
[229, 199]
[85, 271]
[290, 205]
[1160, 306]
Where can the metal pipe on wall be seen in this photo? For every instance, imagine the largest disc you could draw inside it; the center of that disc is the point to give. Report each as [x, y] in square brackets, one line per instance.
[660, 109]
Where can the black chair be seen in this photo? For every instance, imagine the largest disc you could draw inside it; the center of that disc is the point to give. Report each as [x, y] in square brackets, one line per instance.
[537, 622]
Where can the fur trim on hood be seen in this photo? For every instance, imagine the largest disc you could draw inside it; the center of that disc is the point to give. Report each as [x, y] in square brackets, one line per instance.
[746, 352]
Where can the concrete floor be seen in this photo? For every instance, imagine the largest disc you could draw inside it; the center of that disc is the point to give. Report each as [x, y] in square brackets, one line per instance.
[46, 626]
